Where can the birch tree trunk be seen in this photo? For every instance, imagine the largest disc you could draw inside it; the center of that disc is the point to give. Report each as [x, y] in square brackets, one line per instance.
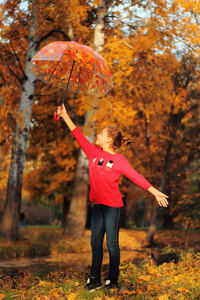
[76, 218]
[10, 221]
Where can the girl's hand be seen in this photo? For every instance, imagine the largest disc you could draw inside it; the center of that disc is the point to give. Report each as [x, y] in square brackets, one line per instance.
[161, 198]
[61, 110]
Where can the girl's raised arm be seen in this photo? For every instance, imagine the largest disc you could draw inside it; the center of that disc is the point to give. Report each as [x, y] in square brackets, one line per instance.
[85, 144]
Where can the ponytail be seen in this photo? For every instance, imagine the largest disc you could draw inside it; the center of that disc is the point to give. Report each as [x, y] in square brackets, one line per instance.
[118, 139]
[126, 141]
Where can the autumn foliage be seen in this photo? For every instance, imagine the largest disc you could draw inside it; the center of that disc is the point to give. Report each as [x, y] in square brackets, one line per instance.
[152, 50]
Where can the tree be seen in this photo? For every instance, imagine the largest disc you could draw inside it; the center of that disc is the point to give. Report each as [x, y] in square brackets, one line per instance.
[56, 162]
[185, 157]
[48, 26]
[10, 221]
[161, 103]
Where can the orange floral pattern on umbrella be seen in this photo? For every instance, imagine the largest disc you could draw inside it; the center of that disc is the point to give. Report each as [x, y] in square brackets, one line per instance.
[71, 65]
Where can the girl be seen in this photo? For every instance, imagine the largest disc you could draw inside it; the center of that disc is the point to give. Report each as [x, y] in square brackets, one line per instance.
[105, 167]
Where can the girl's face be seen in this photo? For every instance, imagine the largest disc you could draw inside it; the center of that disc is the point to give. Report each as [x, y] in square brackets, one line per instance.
[103, 139]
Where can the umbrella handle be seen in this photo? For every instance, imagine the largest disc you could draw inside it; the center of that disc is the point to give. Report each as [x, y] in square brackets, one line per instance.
[57, 117]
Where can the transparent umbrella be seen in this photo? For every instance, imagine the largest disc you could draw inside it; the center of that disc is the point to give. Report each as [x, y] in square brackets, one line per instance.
[74, 67]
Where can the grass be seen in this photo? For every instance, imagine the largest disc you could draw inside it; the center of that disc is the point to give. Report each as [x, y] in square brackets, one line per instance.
[169, 281]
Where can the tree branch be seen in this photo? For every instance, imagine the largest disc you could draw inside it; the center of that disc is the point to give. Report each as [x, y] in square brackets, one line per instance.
[15, 74]
[17, 58]
[50, 33]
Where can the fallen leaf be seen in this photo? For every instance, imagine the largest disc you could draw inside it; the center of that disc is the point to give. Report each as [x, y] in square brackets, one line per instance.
[43, 283]
[145, 277]
[182, 289]
[156, 287]
[72, 296]
[45, 298]
[163, 297]
[2, 296]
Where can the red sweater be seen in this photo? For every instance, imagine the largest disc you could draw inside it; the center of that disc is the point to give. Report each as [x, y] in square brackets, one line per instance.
[105, 170]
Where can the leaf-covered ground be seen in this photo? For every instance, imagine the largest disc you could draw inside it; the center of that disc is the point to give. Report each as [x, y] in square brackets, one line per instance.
[177, 279]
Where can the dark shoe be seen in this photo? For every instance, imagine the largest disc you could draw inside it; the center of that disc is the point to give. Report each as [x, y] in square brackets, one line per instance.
[93, 284]
[109, 283]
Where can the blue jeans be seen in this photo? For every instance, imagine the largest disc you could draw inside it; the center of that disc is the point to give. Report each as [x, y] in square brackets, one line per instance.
[22, 222]
[105, 219]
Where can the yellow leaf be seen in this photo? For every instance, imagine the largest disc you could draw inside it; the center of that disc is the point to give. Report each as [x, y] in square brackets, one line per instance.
[45, 298]
[145, 277]
[43, 283]
[182, 289]
[68, 281]
[156, 287]
[2, 296]
[163, 297]
[176, 278]
[72, 296]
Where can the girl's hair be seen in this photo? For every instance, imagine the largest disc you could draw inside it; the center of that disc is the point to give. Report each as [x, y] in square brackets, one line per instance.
[118, 138]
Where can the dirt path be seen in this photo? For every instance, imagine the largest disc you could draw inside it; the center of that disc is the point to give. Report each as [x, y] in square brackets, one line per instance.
[131, 245]
[70, 259]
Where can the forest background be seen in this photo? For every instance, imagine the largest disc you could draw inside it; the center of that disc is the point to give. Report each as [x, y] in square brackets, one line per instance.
[152, 49]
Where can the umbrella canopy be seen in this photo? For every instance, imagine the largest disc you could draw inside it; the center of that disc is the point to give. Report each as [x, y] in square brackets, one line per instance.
[74, 67]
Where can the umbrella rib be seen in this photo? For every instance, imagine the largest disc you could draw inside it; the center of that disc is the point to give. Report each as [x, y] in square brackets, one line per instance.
[104, 89]
[56, 66]
[68, 80]
[76, 94]
[53, 72]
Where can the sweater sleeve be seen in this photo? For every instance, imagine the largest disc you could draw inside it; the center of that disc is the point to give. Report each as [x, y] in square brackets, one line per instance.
[87, 147]
[133, 175]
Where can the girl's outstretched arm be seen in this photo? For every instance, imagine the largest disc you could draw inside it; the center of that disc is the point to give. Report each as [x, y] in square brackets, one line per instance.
[160, 197]
[63, 113]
